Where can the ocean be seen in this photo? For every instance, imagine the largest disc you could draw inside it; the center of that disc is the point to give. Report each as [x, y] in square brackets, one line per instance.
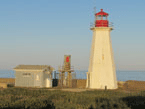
[78, 74]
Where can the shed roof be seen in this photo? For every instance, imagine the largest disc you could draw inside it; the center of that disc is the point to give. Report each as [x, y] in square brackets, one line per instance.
[33, 67]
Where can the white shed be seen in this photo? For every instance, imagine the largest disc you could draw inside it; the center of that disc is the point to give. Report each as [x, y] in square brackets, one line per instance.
[33, 76]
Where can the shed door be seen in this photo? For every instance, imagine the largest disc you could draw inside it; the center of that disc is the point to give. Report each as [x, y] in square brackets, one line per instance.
[48, 81]
[37, 80]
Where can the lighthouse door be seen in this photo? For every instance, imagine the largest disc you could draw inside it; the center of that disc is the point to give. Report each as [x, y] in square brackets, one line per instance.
[88, 80]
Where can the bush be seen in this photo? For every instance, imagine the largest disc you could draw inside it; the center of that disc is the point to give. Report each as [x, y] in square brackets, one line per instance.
[29, 103]
[105, 103]
[135, 102]
[10, 85]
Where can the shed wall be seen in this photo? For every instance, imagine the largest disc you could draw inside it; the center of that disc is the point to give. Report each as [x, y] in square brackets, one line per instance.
[24, 81]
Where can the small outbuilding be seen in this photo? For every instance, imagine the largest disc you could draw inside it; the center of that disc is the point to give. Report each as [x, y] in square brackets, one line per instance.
[33, 76]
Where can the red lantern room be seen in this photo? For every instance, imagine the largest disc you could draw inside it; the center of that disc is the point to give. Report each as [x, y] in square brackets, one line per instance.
[101, 19]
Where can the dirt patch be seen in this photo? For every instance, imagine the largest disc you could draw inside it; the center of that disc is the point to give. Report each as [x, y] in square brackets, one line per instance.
[3, 85]
[81, 83]
[7, 80]
[74, 90]
[133, 85]
[125, 86]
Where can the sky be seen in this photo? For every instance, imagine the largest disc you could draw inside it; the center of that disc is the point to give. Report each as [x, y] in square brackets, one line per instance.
[41, 32]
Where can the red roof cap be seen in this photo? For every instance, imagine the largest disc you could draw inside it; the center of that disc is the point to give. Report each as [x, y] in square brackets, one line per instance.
[102, 13]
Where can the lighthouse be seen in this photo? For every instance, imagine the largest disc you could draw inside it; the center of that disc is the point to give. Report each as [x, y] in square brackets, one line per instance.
[101, 73]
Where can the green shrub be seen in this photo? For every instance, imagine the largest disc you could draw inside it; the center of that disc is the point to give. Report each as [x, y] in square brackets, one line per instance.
[105, 103]
[29, 103]
[10, 85]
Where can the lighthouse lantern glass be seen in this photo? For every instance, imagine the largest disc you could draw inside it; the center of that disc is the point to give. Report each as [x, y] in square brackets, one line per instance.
[104, 17]
[101, 19]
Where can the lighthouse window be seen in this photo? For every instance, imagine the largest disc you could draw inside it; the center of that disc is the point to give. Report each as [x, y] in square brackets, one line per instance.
[98, 17]
[104, 18]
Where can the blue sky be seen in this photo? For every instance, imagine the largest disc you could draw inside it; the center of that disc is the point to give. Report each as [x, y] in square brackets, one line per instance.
[43, 31]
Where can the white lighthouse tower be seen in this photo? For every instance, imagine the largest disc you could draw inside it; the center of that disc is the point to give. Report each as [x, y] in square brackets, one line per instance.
[101, 73]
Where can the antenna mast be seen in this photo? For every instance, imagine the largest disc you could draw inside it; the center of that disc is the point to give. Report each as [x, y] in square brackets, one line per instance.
[94, 15]
[94, 12]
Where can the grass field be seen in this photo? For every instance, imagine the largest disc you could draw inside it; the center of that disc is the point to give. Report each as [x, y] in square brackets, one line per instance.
[129, 95]
[31, 98]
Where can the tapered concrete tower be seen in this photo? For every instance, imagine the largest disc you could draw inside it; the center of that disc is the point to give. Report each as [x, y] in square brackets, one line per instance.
[101, 73]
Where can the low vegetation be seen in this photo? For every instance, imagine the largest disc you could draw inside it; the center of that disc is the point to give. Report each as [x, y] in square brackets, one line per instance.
[25, 98]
